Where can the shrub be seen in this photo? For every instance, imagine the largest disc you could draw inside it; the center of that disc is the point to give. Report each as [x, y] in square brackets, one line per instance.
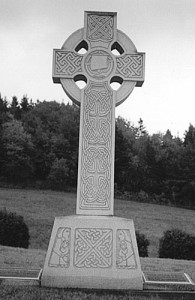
[142, 243]
[13, 230]
[177, 244]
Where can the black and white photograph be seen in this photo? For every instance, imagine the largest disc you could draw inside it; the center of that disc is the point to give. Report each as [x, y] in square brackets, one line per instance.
[97, 149]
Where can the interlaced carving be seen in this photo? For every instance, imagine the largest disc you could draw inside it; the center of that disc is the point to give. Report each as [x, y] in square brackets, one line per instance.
[100, 27]
[124, 250]
[67, 63]
[87, 248]
[93, 248]
[96, 147]
[130, 66]
[60, 254]
[98, 67]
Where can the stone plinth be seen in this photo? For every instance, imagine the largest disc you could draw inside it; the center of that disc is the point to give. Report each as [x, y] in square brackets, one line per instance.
[93, 252]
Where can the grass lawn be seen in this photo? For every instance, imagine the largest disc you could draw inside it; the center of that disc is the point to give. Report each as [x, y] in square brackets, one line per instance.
[33, 258]
[39, 208]
[33, 293]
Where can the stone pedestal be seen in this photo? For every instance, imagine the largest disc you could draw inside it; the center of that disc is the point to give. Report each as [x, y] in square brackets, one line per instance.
[93, 252]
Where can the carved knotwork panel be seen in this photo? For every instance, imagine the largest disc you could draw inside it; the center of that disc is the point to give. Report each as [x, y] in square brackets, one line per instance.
[130, 66]
[60, 254]
[97, 142]
[93, 248]
[124, 250]
[66, 63]
[100, 27]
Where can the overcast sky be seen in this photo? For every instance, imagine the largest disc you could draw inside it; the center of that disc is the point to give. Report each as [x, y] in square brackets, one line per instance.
[163, 29]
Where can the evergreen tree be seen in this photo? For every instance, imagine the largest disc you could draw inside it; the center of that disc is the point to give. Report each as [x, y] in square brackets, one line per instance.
[25, 105]
[141, 130]
[189, 139]
[15, 108]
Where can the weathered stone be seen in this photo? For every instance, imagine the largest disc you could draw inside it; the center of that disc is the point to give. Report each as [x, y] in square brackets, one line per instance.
[96, 250]
[93, 252]
[98, 67]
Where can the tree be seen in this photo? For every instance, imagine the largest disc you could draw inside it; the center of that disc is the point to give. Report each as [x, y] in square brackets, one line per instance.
[122, 152]
[25, 105]
[189, 139]
[167, 138]
[18, 147]
[54, 129]
[3, 110]
[69, 128]
[4, 117]
[15, 108]
[127, 129]
[141, 130]
[41, 122]
[41, 141]
[58, 176]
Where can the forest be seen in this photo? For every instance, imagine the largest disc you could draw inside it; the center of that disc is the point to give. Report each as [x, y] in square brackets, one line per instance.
[39, 149]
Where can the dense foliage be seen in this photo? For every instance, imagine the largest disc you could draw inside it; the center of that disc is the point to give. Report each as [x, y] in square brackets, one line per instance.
[13, 230]
[177, 244]
[142, 244]
[39, 147]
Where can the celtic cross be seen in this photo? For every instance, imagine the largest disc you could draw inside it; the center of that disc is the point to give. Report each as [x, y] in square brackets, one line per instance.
[99, 67]
[93, 249]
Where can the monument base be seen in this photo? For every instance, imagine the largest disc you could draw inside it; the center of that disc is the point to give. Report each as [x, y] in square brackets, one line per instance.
[93, 252]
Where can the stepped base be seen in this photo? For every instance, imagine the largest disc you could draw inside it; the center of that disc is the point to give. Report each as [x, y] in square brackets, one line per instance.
[20, 276]
[168, 281]
[93, 252]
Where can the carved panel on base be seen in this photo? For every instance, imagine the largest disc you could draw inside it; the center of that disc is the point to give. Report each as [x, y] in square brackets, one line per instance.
[60, 254]
[97, 252]
[93, 248]
[125, 252]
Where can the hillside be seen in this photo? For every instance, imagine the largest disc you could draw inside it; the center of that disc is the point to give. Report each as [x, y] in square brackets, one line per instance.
[39, 208]
[33, 258]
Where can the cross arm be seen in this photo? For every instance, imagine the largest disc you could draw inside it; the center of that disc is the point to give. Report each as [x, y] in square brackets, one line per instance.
[131, 67]
[66, 64]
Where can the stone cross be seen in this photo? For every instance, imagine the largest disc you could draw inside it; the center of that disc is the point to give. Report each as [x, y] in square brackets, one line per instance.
[98, 67]
[94, 249]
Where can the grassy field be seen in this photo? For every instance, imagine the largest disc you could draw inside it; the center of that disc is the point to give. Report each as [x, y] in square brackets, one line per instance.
[32, 258]
[39, 208]
[32, 293]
